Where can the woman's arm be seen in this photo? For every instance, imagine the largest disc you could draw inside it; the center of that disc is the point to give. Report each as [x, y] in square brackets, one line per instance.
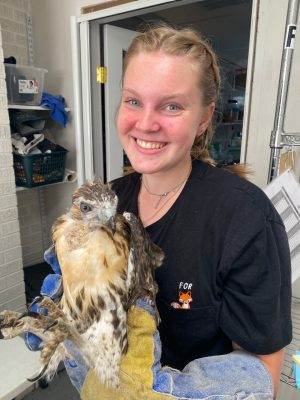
[273, 362]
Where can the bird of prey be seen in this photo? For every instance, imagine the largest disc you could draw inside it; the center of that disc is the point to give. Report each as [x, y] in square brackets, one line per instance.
[107, 262]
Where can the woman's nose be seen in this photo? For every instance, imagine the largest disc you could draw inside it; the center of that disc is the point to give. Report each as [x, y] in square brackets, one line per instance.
[147, 121]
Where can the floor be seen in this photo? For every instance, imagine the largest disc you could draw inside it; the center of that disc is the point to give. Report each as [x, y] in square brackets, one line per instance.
[59, 389]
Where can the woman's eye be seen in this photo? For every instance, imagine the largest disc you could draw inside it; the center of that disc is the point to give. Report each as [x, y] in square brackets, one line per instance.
[84, 207]
[173, 107]
[133, 102]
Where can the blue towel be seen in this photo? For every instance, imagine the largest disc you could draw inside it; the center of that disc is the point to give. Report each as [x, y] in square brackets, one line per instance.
[57, 106]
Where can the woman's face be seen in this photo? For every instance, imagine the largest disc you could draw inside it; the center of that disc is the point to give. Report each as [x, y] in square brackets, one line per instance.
[161, 111]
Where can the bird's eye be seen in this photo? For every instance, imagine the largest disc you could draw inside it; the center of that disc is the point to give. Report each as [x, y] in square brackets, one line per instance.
[84, 207]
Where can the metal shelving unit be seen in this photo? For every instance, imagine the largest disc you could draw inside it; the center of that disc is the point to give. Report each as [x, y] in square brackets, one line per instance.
[280, 138]
[24, 107]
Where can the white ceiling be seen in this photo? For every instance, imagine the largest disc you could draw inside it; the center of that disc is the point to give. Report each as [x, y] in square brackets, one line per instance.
[226, 23]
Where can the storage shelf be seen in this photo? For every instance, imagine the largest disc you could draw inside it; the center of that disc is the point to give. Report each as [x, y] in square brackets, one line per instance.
[39, 108]
[23, 107]
[20, 188]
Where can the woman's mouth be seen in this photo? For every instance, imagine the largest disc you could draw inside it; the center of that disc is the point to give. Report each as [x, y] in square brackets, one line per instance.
[150, 145]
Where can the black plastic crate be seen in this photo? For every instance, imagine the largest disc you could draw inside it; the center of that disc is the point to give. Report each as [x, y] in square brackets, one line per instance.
[40, 169]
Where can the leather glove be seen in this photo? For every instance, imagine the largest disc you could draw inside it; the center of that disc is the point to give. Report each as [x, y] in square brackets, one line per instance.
[52, 287]
[235, 376]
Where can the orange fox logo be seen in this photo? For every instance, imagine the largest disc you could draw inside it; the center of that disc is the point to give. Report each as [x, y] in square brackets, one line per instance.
[185, 299]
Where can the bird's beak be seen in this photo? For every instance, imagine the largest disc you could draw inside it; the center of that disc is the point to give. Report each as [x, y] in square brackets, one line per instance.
[112, 224]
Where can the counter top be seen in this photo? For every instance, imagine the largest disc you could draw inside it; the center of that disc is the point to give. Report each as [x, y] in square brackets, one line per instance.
[17, 363]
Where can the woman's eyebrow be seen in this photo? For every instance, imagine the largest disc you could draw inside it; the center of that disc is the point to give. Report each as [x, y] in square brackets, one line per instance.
[175, 96]
[167, 97]
[125, 89]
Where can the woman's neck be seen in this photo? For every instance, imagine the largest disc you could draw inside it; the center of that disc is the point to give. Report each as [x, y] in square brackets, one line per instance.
[164, 181]
[159, 192]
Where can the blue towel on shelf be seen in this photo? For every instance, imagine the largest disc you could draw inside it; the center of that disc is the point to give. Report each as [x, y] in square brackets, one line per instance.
[57, 106]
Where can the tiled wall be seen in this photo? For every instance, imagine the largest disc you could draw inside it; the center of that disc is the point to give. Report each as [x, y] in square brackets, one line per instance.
[13, 17]
[14, 28]
[19, 214]
[11, 273]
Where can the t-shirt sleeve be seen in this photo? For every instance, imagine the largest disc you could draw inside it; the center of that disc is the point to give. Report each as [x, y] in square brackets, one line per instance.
[256, 299]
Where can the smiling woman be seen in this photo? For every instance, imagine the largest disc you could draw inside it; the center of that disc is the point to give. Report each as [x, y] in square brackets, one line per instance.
[214, 227]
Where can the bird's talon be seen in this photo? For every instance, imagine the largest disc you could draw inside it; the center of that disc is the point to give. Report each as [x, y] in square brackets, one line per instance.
[50, 326]
[36, 378]
[38, 299]
[27, 313]
[24, 314]
[33, 314]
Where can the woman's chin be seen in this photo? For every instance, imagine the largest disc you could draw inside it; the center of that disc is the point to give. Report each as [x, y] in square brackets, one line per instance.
[145, 168]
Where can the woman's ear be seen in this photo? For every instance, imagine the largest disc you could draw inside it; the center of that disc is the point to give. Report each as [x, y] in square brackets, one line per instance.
[206, 118]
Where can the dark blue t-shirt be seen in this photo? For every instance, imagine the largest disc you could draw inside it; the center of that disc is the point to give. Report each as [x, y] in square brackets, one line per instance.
[226, 274]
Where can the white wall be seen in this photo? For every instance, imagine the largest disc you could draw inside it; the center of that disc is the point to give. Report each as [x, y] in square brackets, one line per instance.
[52, 46]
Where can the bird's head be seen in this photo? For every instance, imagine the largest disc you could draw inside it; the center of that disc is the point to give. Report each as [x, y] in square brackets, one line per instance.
[95, 203]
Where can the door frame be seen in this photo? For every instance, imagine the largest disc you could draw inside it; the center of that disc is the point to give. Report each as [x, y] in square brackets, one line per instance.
[85, 32]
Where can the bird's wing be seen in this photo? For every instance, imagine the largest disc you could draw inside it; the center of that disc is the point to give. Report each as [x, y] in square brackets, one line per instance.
[144, 258]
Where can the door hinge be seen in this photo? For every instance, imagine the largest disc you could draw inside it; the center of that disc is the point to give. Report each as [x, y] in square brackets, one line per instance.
[101, 74]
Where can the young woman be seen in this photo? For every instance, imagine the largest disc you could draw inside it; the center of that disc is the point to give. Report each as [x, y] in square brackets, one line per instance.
[225, 282]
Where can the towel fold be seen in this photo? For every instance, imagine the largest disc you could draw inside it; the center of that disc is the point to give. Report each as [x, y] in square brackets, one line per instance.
[57, 106]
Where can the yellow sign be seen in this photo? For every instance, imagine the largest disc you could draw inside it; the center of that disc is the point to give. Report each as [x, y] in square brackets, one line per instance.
[101, 74]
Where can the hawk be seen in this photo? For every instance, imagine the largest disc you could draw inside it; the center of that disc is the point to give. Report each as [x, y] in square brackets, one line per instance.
[107, 262]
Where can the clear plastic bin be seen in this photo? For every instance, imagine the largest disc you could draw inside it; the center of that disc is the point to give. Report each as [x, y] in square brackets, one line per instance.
[25, 84]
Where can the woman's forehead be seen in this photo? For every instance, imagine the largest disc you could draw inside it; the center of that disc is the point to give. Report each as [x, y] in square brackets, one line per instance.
[162, 56]
[163, 66]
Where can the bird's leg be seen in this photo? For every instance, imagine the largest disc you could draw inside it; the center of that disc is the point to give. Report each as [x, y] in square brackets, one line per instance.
[13, 324]
[52, 308]
[7, 320]
[10, 318]
[52, 328]
[58, 328]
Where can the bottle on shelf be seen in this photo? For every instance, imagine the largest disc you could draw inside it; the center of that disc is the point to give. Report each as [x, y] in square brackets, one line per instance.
[232, 111]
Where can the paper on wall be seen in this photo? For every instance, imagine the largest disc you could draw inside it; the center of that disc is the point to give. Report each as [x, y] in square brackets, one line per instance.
[284, 192]
[70, 176]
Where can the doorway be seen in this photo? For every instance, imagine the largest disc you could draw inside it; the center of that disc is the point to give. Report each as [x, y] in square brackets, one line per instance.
[226, 25]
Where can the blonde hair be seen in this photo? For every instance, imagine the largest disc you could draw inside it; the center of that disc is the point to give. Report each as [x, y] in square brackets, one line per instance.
[184, 42]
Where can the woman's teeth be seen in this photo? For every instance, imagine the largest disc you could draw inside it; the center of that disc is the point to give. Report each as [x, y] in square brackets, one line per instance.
[149, 145]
